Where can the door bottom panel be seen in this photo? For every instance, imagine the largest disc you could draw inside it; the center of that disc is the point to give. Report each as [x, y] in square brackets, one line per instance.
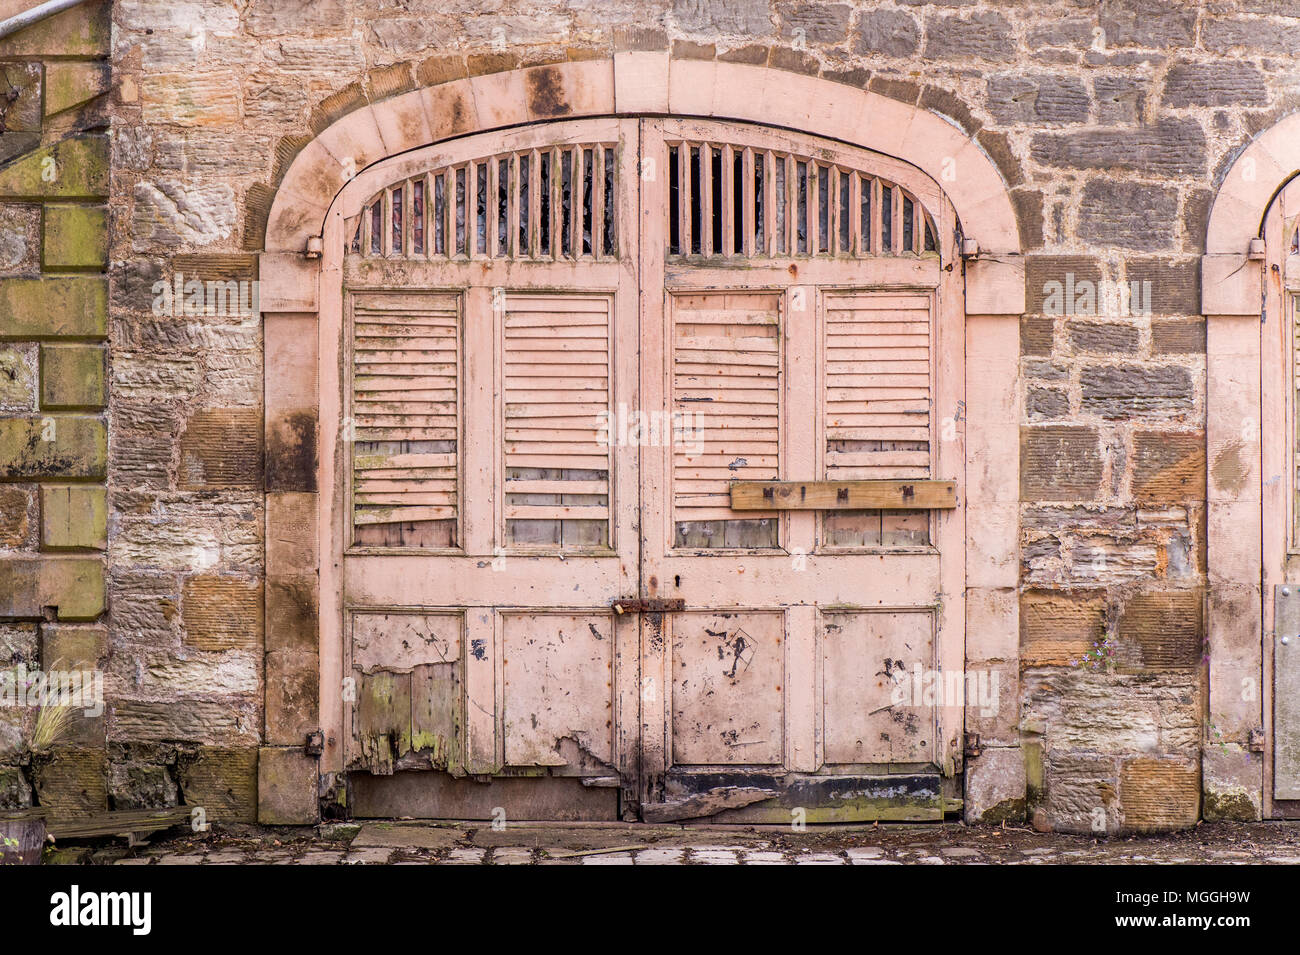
[435, 795]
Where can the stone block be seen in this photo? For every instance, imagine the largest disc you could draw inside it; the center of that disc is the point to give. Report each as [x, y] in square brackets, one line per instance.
[75, 237]
[74, 586]
[70, 84]
[292, 696]
[15, 516]
[1222, 83]
[222, 612]
[66, 306]
[74, 516]
[73, 783]
[73, 168]
[53, 446]
[982, 35]
[887, 32]
[1168, 148]
[221, 781]
[995, 786]
[1120, 391]
[83, 30]
[222, 448]
[20, 111]
[1059, 463]
[1166, 628]
[1159, 795]
[1015, 98]
[1181, 337]
[1168, 466]
[1130, 215]
[17, 380]
[1059, 627]
[72, 376]
[287, 781]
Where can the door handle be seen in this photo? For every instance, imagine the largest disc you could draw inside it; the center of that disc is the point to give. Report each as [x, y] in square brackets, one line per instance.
[647, 605]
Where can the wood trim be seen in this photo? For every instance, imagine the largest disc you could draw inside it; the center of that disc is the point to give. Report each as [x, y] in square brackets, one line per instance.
[842, 495]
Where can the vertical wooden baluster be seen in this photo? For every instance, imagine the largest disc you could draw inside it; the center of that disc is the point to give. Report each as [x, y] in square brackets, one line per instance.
[706, 199]
[748, 237]
[855, 214]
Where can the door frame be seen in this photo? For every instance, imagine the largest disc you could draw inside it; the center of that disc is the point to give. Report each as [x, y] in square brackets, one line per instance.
[301, 300]
[1249, 410]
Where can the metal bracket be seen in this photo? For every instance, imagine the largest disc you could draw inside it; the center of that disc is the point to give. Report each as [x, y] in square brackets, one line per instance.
[1255, 743]
[314, 744]
[973, 747]
[648, 605]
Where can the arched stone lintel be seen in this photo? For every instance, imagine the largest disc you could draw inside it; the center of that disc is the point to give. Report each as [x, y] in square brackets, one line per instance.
[637, 83]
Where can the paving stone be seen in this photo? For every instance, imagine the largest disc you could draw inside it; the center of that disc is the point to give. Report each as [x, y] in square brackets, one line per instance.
[179, 860]
[818, 858]
[707, 855]
[320, 858]
[465, 857]
[865, 852]
[373, 856]
[671, 856]
[609, 858]
[512, 855]
[406, 836]
[765, 857]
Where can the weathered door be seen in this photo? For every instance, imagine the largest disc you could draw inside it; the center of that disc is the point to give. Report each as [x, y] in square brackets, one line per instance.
[792, 293]
[491, 303]
[567, 347]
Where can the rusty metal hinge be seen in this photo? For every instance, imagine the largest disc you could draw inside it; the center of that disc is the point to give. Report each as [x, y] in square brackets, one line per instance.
[972, 747]
[647, 605]
[1255, 742]
[314, 745]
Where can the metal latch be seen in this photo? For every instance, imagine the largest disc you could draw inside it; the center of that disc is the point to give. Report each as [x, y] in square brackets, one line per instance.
[648, 605]
[973, 746]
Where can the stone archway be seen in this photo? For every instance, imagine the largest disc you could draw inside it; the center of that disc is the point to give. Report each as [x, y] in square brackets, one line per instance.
[296, 291]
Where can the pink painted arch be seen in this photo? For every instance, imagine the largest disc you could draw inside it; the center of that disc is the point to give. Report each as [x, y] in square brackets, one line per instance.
[638, 83]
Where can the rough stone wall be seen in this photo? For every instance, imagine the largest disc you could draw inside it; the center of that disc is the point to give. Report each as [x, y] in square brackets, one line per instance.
[1111, 122]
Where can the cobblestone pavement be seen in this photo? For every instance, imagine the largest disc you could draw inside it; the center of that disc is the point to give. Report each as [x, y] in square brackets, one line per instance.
[419, 843]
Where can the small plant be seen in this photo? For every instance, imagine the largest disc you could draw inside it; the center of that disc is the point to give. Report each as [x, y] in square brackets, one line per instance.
[1101, 657]
[1218, 739]
[46, 722]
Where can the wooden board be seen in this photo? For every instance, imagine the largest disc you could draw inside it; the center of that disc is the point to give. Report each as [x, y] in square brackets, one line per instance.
[841, 495]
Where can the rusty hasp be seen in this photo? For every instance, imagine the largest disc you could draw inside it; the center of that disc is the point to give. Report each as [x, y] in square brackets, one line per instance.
[842, 495]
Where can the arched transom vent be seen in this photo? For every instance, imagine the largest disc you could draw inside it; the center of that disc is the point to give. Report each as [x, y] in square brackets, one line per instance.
[542, 204]
[733, 201]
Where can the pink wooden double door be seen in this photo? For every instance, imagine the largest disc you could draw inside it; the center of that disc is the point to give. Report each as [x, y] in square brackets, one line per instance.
[562, 344]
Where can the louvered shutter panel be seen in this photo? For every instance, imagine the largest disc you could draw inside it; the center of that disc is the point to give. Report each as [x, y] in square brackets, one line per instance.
[405, 409]
[557, 390]
[877, 407]
[877, 401]
[727, 382]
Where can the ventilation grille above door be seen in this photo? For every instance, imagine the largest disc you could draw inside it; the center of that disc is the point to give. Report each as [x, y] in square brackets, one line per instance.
[405, 419]
[548, 204]
[741, 201]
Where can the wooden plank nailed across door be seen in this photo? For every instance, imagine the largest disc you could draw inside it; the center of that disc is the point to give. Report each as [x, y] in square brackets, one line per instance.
[842, 495]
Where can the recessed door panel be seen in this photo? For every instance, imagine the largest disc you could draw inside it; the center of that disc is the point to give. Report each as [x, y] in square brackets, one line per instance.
[728, 694]
[879, 700]
[558, 691]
